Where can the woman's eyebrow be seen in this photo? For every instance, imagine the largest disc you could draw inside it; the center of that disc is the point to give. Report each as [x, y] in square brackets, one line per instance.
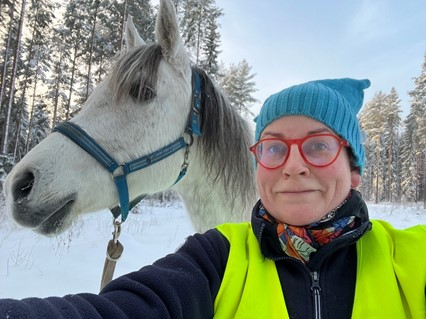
[273, 134]
[320, 130]
[316, 131]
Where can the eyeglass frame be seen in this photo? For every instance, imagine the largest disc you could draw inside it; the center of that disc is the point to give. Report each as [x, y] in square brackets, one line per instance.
[298, 142]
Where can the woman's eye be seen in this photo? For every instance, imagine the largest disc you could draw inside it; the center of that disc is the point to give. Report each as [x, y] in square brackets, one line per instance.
[318, 147]
[276, 149]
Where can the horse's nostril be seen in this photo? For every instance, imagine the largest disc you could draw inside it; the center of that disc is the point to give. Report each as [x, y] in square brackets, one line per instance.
[23, 185]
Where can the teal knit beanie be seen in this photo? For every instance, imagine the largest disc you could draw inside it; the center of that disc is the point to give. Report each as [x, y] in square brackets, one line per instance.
[334, 103]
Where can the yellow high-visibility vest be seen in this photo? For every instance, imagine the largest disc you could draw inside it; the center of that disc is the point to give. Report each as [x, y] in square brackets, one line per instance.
[390, 282]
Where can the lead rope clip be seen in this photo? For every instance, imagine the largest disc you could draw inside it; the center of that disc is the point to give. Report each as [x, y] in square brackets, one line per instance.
[113, 254]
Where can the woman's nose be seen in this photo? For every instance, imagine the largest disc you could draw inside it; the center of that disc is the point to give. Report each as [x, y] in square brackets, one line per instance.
[295, 164]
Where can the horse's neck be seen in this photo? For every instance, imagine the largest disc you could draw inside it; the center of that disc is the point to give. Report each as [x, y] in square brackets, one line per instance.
[208, 204]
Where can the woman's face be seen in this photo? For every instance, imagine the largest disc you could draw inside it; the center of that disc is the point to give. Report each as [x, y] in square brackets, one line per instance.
[298, 193]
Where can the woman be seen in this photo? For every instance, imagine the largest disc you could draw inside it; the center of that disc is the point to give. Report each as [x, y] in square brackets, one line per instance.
[310, 250]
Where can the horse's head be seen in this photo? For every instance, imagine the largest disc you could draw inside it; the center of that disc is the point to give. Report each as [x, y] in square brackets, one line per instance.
[141, 106]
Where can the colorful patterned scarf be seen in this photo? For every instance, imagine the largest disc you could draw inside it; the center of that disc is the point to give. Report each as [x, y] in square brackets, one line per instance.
[301, 241]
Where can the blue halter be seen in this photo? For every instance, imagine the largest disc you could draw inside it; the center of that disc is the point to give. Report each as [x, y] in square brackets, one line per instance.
[120, 171]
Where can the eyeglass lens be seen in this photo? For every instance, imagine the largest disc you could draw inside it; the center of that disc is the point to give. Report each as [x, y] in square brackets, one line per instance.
[318, 150]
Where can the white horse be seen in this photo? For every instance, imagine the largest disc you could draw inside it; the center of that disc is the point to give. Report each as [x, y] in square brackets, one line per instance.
[143, 105]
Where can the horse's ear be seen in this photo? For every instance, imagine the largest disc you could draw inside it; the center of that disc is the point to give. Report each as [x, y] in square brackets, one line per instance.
[133, 39]
[167, 33]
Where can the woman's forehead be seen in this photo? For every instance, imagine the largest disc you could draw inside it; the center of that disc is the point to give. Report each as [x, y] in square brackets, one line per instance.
[288, 126]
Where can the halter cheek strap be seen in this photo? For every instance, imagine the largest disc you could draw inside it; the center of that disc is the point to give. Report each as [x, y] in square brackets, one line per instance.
[119, 172]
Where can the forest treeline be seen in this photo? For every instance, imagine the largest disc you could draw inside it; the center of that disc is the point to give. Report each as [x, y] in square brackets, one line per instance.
[52, 55]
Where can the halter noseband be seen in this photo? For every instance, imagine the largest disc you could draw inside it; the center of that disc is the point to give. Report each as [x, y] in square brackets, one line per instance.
[119, 171]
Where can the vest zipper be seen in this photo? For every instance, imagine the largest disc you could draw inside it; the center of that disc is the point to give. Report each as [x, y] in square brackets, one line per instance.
[316, 291]
[315, 286]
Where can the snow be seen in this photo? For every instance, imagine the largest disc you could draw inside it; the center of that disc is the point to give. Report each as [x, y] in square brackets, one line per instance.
[33, 265]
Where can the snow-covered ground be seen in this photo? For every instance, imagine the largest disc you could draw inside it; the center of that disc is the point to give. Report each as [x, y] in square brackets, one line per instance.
[33, 265]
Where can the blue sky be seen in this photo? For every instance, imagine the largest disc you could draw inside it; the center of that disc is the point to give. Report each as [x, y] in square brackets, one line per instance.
[293, 41]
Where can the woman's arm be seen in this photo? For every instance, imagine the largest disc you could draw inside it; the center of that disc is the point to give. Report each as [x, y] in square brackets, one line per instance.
[180, 285]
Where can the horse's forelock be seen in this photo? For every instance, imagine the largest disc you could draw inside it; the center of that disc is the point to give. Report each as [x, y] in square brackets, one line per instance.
[226, 140]
[136, 68]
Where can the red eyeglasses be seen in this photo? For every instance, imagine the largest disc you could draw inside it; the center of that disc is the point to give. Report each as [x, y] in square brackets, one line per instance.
[319, 150]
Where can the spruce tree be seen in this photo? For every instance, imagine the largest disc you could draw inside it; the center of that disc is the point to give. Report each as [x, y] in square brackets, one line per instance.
[37, 46]
[237, 82]
[210, 48]
[198, 24]
[418, 111]
[391, 127]
[372, 123]
[409, 178]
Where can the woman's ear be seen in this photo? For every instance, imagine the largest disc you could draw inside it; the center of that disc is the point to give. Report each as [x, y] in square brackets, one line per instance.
[355, 178]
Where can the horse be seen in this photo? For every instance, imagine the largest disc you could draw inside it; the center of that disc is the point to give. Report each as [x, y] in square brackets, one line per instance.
[139, 114]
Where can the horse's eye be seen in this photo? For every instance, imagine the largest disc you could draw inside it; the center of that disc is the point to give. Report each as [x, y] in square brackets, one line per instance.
[141, 94]
[148, 93]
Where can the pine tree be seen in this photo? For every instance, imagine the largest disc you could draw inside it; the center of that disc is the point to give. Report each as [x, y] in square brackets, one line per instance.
[198, 24]
[41, 127]
[36, 66]
[210, 48]
[57, 83]
[144, 17]
[20, 119]
[7, 28]
[75, 34]
[409, 178]
[391, 126]
[5, 144]
[237, 82]
[371, 121]
[418, 112]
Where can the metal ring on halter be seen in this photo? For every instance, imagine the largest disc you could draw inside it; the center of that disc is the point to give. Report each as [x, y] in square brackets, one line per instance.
[119, 171]
[190, 136]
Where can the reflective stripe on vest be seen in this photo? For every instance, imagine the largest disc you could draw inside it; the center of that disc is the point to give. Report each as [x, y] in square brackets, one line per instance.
[390, 281]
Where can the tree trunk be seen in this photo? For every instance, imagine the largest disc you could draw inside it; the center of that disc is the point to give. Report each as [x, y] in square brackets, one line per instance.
[24, 93]
[6, 56]
[73, 70]
[390, 170]
[55, 103]
[5, 137]
[56, 93]
[377, 177]
[92, 45]
[198, 44]
[30, 122]
[424, 180]
[123, 22]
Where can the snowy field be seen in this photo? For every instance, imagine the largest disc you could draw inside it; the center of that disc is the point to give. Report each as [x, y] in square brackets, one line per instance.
[33, 265]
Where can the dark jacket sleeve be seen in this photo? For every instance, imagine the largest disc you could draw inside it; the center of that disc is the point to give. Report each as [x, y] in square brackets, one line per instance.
[180, 285]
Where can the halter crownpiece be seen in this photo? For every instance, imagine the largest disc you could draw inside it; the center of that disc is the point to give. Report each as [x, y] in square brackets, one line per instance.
[118, 171]
[194, 127]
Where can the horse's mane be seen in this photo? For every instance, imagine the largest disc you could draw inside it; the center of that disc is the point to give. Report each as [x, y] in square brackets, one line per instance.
[226, 141]
[226, 136]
